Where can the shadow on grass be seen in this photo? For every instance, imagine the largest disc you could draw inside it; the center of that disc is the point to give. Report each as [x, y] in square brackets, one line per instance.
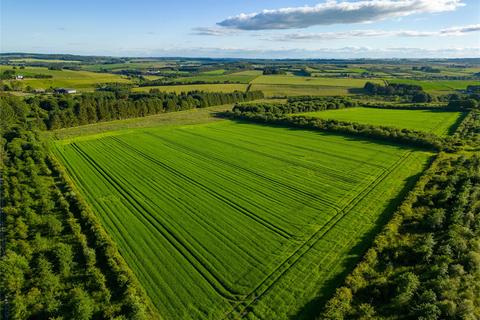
[326, 290]
[314, 308]
[457, 123]
[347, 136]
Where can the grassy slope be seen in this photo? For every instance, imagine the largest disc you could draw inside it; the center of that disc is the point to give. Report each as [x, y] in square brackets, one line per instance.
[438, 122]
[262, 226]
[83, 80]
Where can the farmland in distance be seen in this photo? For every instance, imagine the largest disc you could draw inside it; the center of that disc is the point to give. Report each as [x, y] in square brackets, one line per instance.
[224, 218]
[435, 121]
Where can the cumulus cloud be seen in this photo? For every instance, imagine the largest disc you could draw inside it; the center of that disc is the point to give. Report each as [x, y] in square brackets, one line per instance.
[333, 12]
[453, 31]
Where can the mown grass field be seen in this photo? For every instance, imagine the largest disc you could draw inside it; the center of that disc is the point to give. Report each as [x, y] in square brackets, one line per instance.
[239, 77]
[284, 90]
[83, 80]
[289, 85]
[221, 87]
[221, 219]
[437, 122]
[434, 86]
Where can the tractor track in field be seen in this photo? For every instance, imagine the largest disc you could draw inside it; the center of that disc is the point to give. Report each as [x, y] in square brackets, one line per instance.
[310, 243]
[240, 303]
[279, 231]
[246, 170]
[215, 282]
[270, 155]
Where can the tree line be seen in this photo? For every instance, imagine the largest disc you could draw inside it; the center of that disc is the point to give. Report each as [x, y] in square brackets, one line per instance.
[469, 130]
[163, 82]
[297, 105]
[59, 263]
[402, 136]
[61, 111]
[426, 262]
[412, 93]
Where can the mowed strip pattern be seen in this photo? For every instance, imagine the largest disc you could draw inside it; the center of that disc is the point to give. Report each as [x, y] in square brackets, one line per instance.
[217, 219]
[437, 122]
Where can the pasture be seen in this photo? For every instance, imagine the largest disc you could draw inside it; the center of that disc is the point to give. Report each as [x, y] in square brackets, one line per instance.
[284, 90]
[83, 80]
[437, 86]
[221, 219]
[289, 85]
[437, 122]
[240, 77]
[217, 87]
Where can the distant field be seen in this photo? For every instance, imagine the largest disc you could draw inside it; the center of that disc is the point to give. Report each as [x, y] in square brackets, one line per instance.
[27, 60]
[281, 90]
[126, 65]
[240, 77]
[289, 85]
[438, 122]
[437, 85]
[313, 81]
[82, 80]
[221, 219]
[227, 87]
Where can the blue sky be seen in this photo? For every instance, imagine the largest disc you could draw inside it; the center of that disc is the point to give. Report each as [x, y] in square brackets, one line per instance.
[310, 29]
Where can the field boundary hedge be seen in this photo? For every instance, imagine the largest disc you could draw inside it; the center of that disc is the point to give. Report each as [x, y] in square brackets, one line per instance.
[403, 136]
[106, 250]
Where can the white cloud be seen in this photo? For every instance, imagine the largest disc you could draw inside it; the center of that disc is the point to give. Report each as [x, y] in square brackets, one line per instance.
[453, 31]
[213, 31]
[333, 12]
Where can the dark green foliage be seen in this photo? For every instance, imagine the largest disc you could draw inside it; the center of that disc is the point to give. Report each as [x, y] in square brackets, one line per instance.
[426, 262]
[412, 93]
[469, 130]
[58, 262]
[297, 105]
[403, 136]
[68, 111]
[273, 70]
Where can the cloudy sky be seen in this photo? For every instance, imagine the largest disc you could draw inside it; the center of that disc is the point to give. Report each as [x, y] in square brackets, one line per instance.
[247, 28]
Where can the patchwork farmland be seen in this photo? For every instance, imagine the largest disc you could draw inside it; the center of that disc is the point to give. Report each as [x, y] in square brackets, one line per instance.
[221, 218]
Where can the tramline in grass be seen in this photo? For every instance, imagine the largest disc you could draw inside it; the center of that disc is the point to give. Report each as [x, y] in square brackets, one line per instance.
[222, 219]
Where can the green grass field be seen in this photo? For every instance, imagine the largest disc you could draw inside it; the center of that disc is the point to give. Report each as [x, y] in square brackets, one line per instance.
[208, 76]
[222, 87]
[82, 80]
[289, 85]
[223, 218]
[438, 122]
[313, 81]
[284, 90]
[438, 85]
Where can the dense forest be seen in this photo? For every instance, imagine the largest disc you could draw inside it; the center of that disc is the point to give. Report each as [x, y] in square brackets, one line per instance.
[426, 262]
[60, 111]
[58, 262]
[412, 93]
